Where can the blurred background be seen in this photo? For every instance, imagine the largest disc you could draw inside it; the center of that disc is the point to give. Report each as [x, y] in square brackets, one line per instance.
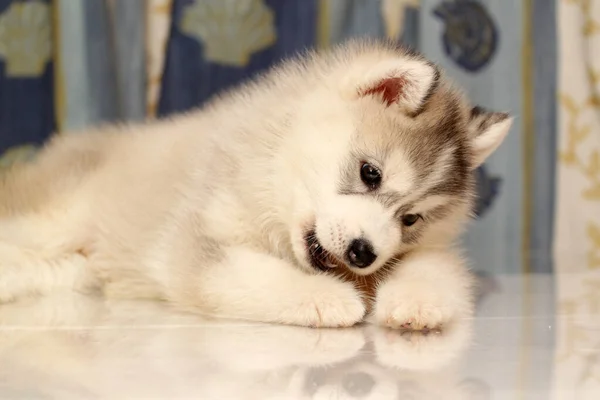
[69, 64]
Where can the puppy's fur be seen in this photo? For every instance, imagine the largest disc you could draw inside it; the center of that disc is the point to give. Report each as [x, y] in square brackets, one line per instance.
[219, 211]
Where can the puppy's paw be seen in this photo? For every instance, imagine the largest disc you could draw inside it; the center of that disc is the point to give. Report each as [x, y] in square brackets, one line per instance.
[329, 304]
[421, 350]
[417, 306]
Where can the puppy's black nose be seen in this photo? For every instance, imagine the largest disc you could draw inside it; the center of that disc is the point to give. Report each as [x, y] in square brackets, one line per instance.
[360, 253]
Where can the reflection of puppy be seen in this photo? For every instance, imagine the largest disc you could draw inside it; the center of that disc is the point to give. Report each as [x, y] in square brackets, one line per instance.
[485, 284]
[425, 350]
[358, 162]
[397, 365]
[82, 347]
[361, 379]
[75, 346]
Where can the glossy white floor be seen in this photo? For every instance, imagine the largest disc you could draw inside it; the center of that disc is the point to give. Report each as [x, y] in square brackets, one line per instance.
[518, 347]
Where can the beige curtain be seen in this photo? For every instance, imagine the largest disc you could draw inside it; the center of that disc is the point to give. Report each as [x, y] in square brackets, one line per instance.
[577, 239]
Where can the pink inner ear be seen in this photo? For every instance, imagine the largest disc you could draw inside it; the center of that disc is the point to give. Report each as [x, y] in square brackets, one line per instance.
[390, 89]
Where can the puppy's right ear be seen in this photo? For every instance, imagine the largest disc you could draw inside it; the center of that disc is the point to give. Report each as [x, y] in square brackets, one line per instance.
[404, 81]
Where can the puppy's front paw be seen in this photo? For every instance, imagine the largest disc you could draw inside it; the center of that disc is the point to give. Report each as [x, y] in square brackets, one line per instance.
[418, 306]
[330, 304]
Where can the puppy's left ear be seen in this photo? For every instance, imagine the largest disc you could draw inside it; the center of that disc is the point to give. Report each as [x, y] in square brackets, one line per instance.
[406, 81]
[488, 130]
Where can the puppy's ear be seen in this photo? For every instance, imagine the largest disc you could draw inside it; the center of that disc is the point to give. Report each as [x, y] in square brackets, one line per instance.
[488, 130]
[406, 82]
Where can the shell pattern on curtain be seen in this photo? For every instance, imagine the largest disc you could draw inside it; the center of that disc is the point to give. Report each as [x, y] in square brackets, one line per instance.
[215, 44]
[506, 66]
[471, 41]
[66, 65]
[26, 77]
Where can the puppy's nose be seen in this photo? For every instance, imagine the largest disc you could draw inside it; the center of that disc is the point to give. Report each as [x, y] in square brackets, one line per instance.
[361, 253]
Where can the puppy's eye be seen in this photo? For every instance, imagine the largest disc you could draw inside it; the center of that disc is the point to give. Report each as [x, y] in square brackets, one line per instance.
[410, 219]
[370, 175]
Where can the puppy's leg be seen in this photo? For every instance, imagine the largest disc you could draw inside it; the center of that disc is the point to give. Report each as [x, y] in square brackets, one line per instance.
[427, 290]
[24, 272]
[250, 285]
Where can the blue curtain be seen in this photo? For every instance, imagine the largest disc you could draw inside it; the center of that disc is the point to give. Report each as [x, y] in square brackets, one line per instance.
[545, 133]
[479, 44]
[205, 57]
[100, 52]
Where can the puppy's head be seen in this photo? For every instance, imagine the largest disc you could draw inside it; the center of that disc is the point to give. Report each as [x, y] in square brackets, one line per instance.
[382, 154]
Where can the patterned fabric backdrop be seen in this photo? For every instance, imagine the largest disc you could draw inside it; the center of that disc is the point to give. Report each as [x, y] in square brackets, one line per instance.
[214, 44]
[577, 233]
[578, 194]
[69, 64]
[26, 76]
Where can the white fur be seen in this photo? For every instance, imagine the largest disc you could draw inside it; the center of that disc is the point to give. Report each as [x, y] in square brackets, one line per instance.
[209, 210]
[414, 298]
[259, 287]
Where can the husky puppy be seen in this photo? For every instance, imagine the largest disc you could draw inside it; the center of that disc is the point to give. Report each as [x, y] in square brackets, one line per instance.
[329, 190]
